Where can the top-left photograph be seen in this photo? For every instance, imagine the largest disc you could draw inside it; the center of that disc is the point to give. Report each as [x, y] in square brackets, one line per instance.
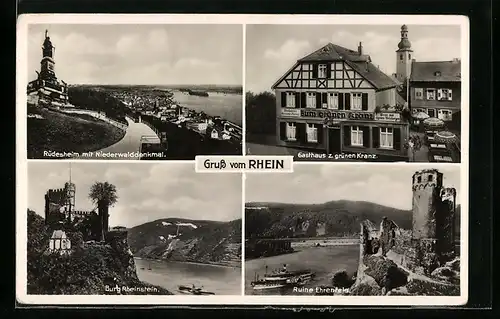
[133, 92]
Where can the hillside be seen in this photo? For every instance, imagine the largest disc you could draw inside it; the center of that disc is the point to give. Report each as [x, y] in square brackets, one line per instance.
[334, 218]
[88, 270]
[197, 241]
[54, 131]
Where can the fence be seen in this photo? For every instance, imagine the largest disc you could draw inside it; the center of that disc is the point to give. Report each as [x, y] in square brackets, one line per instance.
[96, 115]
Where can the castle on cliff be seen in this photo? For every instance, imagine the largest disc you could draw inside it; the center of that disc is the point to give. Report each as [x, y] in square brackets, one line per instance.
[60, 214]
[47, 90]
[430, 243]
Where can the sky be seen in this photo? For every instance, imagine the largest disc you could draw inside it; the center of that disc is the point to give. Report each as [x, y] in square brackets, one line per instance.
[141, 54]
[275, 48]
[146, 192]
[315, 184]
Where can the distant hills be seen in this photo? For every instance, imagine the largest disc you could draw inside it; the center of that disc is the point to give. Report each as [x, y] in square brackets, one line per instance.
[188, 240]
[333, 218]
[220, 88]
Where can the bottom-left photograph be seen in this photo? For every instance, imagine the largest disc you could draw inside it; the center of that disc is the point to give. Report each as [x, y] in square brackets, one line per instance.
[132, 229]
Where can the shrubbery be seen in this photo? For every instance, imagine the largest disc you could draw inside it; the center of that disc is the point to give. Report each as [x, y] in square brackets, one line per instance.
[86, 271]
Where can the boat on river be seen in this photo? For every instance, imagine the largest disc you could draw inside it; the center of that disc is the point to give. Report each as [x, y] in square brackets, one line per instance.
[282, 279]
[193, 290]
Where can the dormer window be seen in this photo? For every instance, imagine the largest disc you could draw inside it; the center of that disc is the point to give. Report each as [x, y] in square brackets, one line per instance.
[437, 73]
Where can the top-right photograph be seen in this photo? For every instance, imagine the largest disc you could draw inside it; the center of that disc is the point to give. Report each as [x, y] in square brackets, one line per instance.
[373, 93]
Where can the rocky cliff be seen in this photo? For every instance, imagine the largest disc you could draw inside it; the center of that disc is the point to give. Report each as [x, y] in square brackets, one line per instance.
[391, 265]
[179, 239]
[91, 268]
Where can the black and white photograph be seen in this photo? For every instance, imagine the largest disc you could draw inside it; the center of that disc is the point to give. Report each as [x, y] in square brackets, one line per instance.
[354, 230]
[134, 91]
[132, 229]
[373, 92]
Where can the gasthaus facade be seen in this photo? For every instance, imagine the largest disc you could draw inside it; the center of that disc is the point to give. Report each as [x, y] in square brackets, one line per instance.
[336, 101]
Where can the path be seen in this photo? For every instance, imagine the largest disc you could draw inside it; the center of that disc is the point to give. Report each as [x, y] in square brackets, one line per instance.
[131, 142]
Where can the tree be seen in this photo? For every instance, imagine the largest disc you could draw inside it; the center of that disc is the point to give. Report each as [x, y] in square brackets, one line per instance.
[104, 195]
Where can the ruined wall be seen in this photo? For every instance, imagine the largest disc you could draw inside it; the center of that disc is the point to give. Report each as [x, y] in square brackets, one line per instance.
[55, 199]
[447, 224]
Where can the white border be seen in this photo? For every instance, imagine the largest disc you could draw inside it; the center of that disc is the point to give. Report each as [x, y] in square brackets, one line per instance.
[21, 154]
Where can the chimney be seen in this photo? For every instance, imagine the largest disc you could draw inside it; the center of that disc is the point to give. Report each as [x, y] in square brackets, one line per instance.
[360, 49]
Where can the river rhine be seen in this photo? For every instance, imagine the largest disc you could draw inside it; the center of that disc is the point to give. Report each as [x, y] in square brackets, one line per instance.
[227, 106]
[170, 274]
[323, 261]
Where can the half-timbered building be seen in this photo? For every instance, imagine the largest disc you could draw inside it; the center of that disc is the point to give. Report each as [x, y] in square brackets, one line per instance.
[335, 100]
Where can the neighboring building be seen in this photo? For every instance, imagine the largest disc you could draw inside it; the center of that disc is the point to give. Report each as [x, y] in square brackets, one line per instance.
[48, 89]
[60, 243]
[435, 89]
[434, 86]
[335, 100]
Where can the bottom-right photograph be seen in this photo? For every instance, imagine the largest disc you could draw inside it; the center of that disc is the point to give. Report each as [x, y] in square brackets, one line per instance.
[367, 229]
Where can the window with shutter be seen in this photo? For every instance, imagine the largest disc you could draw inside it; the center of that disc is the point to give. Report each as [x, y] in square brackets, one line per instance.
[283, 99]
[297, 100]
[419, 93]
[449, 95]
[431, 94]
[303, 100]
[311, 100]
[439, 94]
[356, 101]
[333, 101]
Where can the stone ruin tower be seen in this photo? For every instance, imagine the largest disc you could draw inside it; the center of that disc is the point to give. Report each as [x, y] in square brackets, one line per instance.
[433, 215]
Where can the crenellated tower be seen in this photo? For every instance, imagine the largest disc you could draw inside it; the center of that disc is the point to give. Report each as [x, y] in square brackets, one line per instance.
[426, 186]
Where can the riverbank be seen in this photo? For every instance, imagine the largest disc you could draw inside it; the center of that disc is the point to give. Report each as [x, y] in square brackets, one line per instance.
[214, 264]
[171, 274]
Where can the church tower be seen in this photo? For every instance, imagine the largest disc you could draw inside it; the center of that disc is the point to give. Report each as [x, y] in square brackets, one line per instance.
[47, 71]
[403, 56]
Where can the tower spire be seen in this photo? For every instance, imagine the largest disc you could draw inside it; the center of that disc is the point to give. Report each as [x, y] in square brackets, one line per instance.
[46, 33]
[70, 172]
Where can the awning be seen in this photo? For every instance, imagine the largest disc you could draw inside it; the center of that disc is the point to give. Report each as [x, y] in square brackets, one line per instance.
[446, 137]
[433, 122]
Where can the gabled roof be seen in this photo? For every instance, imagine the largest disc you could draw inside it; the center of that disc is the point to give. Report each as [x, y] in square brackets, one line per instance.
[436, 71]
[360, 63]
[58, 234]
[333, 52]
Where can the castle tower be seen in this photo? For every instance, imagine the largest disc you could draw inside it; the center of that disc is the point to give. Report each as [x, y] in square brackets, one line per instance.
[403, 56]
[47, 71]
[447, 222]
[426, 186]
